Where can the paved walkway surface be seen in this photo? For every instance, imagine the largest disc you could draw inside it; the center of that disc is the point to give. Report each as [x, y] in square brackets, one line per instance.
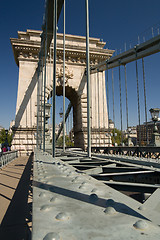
[16, 200]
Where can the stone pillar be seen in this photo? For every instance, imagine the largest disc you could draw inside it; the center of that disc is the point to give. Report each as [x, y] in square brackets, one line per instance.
[26, 48]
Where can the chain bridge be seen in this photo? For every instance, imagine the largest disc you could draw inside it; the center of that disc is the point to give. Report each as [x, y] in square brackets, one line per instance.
[98, 189]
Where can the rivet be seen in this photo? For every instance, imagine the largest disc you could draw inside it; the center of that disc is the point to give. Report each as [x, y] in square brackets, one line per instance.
[42, 194]
[62, 216]
[81, 186]
[65, 170]
[94, 190]
[93, 197]
[69, 174]
[75, 179]
[52, 236]
[110, 202]
[53, 199]
[110, 211]
[45, 208]
[141, 224]
[142, 208]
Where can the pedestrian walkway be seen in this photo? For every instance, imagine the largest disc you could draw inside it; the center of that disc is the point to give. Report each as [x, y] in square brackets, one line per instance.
[16, 199]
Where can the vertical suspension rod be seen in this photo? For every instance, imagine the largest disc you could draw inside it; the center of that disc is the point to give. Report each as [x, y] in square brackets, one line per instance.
[103, 87]
[145, 99]
[113, 105]
[88, 80]
[108, 100]
[120, 96]
[64, 6]
[37, 107]
[139, 121]
[44, 100]
[54, 77]
[98, 105]
[107, 93]
[41, 102]
[50, 82]
[126, 96]
[95, 107]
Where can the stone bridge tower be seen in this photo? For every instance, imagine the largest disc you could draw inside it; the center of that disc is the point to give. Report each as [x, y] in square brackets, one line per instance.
[26, 49]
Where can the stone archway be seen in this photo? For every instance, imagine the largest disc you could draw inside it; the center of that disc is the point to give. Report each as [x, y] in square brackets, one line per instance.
[25, 50]
[78, 113]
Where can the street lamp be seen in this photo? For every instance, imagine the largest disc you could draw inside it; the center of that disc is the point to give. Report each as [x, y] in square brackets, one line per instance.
[110, 134]
[155, 141]
[129, 137]
[61, 113]
[6, 141]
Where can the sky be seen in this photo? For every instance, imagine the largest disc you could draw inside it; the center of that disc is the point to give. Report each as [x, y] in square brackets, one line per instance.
[120, 24]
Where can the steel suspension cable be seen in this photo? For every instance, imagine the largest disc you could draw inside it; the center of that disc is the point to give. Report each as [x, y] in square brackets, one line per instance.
[113, 105]
[98, 105]
[95, 110]
[64, 8]
[37, 108]
[103, 87]
[126, 96]
[41, 104]
[120, 97]
[145, 100]
[50, 101]
[45, 77]
[54, 78]
[91, 111]
[107, 94]
[108, 100]
[139, 121]
[88, 80]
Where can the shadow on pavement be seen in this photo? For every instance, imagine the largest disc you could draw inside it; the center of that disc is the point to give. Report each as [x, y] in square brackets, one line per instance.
[18, 217]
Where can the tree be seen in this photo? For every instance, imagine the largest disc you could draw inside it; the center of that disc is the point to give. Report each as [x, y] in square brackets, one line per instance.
[68, 142]
[3, 139]
[118, 137]
[10, 138]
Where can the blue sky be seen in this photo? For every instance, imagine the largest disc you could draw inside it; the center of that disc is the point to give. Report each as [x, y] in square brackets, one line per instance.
[116, 22]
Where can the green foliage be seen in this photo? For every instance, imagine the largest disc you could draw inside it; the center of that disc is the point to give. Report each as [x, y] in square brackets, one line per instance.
[118, 137]
[3, 139]
[2, 136]
[10, 138]
[68, 142]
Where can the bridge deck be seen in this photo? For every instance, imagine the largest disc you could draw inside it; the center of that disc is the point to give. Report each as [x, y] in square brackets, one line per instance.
[15, 202]
[70, 204]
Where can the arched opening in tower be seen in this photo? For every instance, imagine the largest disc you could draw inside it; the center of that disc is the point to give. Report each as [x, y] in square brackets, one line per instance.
[72, 121]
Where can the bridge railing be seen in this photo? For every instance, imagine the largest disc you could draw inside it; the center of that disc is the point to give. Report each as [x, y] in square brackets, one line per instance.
[137, 151]
[7, 157]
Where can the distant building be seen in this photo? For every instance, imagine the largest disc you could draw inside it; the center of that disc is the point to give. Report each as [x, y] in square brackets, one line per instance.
[111, 124]
[142, 132]
[132, 134]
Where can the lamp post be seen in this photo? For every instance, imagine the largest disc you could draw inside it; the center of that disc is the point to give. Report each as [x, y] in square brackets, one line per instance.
[129, 137]
[61, 113]
[110, 135]
[6, 141]
[155, 141]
